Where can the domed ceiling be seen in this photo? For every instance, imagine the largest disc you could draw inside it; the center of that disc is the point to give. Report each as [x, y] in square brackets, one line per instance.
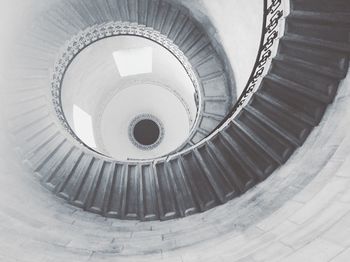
[118, 79]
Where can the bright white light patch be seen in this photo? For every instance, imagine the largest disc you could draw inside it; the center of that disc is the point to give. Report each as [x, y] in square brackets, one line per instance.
[83, 126]
[134, 61]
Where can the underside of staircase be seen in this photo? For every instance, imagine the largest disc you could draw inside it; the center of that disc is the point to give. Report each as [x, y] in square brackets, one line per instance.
[312, 59]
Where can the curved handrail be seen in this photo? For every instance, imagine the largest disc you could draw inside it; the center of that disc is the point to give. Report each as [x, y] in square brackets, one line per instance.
[273, 13]
[272, 17]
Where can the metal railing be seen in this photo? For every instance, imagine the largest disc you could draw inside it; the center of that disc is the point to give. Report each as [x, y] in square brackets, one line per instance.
[272, 30]
[273, 14]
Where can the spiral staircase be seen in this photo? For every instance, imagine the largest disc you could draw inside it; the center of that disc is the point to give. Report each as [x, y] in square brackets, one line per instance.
[243, 169]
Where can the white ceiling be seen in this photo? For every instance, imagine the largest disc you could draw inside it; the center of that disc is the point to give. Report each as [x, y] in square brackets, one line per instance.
[114, 68]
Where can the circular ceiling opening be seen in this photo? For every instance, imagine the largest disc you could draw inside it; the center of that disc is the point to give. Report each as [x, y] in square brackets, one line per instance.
[146, 132]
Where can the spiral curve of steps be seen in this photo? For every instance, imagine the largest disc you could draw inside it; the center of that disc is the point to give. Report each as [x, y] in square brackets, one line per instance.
[313, 57]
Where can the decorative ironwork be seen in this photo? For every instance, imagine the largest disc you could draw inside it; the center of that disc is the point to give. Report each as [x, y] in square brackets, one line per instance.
[273, 12]
[99, 32]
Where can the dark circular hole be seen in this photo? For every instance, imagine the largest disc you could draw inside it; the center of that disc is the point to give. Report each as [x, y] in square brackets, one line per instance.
[146, 132]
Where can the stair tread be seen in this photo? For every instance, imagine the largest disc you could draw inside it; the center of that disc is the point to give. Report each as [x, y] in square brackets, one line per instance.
[286, 108]
[257, 141]
[334, 17]
[281, 131]
[299, 88]
[323, 70]
[338, 46]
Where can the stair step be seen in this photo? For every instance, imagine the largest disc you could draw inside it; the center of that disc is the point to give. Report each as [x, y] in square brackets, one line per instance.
[231, 163]
[185, 33]
[133, 9]
[20, 71]
[72, 184]
[93, 10]
[70, 15]
[170, 20]
[305, 65]
[152, 19]
[332, 63]
[81, 9]
[215, 108]
[27, 109]
[268, 137]
[132, 194]
[184, 196]
[31, 149]
[199, 51]
[320, 17]
[97, 196]
[24, 98]
[149, 202]
[103, 11]
[339, 6]
[331, 27]
[49, 32]
[31, 132]
[270, 103]
[33, 86]
[123, 9]
[312, 41]
[277, 127]
[293, 101]
[152, 13]
[321, 84]
[114, 10]
[197, 137]
[253, 138]
[295, 87]
[208, 124]
[179, 23]
[223, 186]
[43, 154]
[165, 192]
[260, 164]
[49, 168]
[60, 23]
[161, 16]
[220, 186]
[202, 189]
[86, 187]
[66, 169]
[37, 41]
[203, 132]
[34, 58]
[35, 139]
[193, 41]
[31, 119]
[115, 191]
